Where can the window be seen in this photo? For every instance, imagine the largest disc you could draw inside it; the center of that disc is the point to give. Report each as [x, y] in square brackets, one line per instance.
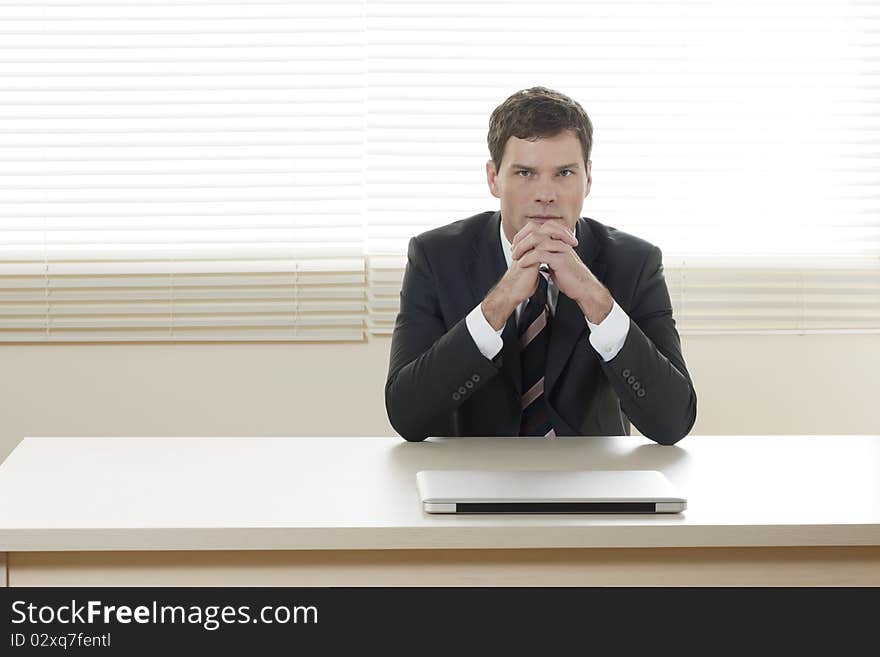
[181, 171]
[237, 171]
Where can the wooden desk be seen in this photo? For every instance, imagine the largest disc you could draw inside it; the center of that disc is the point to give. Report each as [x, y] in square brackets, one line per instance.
[762, 510]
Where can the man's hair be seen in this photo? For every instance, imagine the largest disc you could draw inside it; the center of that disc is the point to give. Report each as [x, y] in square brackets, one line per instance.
[536, 113]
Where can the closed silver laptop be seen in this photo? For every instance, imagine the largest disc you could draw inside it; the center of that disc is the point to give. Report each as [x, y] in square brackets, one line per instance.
[548, 491]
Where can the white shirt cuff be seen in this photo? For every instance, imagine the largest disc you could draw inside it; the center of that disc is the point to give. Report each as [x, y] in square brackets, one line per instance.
[608, 337]
[487, 339]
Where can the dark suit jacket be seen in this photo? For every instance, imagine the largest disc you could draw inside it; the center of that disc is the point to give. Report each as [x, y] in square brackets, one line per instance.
[439, 384]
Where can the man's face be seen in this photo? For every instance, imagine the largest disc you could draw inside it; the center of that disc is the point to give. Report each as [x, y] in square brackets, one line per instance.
[541, 180]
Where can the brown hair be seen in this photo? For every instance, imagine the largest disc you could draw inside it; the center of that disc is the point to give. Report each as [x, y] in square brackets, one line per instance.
[535, 113]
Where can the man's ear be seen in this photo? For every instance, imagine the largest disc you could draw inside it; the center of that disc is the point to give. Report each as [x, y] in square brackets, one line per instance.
[492, 179]
[589, 182]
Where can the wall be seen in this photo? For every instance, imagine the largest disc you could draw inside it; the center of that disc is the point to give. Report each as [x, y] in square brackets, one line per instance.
[815, 384]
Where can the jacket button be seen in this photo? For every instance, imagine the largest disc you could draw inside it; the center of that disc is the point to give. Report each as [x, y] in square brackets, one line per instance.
[462, 390]
[636, 385]
[475, 378]
[469, 384]
[625, 373]
[456, 396]
[641, 392]
[631, 380]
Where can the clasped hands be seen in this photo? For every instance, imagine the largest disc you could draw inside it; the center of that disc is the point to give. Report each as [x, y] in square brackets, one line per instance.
[551, 243]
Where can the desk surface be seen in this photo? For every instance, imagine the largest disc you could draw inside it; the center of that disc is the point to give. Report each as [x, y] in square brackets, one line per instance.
[360, 493]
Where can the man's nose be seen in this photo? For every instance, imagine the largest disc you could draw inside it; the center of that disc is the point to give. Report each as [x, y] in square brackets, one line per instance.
[545, 194]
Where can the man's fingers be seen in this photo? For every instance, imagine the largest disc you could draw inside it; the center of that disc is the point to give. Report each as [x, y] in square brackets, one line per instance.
[530, 259]
[535, 241]
[553, 228]
[535, 257]
[524, 232]
[525, 244]
[557, 231]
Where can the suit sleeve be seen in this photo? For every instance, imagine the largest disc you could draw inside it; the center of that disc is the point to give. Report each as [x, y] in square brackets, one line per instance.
[649, 373]
[432, 370]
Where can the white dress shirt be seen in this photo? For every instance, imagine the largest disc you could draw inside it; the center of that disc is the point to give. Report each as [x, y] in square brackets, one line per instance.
[607, 338]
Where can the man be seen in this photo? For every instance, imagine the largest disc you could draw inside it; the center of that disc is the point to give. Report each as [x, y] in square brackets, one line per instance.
[534, 320]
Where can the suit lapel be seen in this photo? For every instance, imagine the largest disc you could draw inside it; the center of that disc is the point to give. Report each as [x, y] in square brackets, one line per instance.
[487, 263]
[568, 321]
[487, 266]
[510, 353]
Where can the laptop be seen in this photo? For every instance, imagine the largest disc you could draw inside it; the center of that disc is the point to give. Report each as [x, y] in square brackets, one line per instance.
[548, 491]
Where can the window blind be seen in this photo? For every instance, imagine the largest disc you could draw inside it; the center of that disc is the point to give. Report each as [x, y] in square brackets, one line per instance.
[740, 137]
[181, 171]
[205, 170]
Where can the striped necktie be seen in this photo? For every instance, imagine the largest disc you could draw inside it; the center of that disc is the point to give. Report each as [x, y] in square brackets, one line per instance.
[534, 337]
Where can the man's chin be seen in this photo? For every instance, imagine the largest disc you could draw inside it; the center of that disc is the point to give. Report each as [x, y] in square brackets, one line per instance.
[546, 220]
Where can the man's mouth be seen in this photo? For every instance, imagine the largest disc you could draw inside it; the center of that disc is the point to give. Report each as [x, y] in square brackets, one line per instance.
[543, 217]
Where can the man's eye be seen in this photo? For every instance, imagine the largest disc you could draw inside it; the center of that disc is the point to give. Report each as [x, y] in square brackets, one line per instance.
[523, 171]
[568, 170]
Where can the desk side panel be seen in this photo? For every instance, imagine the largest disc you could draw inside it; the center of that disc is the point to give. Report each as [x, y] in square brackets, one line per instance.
[793, 566]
